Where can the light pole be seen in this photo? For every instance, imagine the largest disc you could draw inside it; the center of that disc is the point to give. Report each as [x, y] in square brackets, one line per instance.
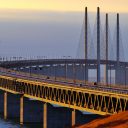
[125, 75]
[65, 67]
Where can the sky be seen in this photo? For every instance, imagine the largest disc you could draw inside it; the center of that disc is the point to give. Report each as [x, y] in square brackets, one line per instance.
[51, 27]
[65, 5]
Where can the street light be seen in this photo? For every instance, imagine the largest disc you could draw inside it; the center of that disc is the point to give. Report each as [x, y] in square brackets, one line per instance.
[65, 67]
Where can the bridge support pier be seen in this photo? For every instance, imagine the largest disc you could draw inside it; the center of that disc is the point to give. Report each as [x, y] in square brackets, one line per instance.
[45, 116]
[5, 105]
[21, 109]
[73, 117]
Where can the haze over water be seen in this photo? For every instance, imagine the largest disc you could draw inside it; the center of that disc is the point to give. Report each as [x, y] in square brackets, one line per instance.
[53, 34]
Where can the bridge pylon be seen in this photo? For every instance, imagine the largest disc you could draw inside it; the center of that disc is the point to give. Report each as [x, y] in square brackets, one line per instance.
[117, 77]
[86, 44]
[98, 45]
[106, 41]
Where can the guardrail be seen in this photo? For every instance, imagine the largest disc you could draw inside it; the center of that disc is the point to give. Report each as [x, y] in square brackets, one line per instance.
[67, 82]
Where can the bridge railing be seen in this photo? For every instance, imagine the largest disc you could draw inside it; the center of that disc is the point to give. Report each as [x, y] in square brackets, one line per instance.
[71, 82]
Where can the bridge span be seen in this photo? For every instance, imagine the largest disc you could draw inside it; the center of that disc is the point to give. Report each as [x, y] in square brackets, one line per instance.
[89, 62]
[75, 67]
[99, 99]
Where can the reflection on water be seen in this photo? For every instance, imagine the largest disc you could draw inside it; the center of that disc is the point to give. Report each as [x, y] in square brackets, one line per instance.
[13, 124]
[9, 124]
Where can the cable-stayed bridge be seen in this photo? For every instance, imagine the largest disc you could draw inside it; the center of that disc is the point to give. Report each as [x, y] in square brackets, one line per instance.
[67, 83]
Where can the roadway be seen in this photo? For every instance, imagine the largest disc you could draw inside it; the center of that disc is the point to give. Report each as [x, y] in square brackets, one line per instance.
[24, 63]
[68, 82]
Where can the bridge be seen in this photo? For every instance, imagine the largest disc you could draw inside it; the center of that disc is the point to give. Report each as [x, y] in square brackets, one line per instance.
[65, 82]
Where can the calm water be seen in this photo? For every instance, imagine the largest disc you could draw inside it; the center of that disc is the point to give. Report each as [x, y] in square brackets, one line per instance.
[13, 124]
[9, 124]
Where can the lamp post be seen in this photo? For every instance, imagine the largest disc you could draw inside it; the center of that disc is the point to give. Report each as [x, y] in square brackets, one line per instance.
[65, 68]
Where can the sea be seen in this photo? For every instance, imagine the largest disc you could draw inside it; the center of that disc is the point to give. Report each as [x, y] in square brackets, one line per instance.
[13, 124]
[9, 124]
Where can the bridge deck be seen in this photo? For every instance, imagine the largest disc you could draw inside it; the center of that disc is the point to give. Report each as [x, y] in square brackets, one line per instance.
[84, 97]
[20, 63]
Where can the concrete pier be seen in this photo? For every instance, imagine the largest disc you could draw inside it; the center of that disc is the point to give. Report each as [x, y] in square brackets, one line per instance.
[45, 116]
[73, 117]
[5, 105]
[21, 109]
